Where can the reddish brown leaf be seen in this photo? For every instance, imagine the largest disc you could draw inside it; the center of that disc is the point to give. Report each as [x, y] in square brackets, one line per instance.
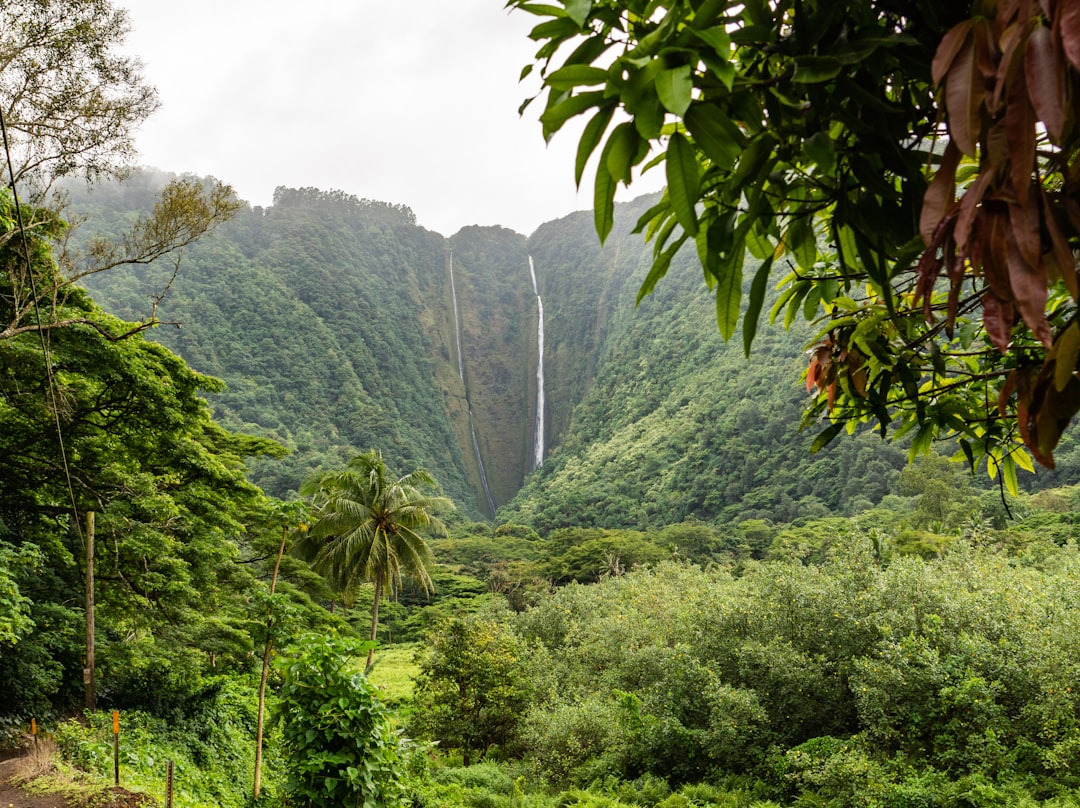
[986, 52]
[1020, 136]
[964, 93]
[1029, 291]
[1045, 73]
[1007, 64]
[818, 367]
[940, 194]
[858, 375]
[1068, 27]
[996, 146]
[1024, 393]
[1008, 10]
[926, 273]
[950, 45]
[956, 270]
[1024, 220]
[995, 236]
[1072, 210]
[998, 318]
[1061, 253]
[969, 206]
[1049, 412]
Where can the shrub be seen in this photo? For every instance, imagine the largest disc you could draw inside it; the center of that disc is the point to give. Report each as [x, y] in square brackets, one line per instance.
[337, 740]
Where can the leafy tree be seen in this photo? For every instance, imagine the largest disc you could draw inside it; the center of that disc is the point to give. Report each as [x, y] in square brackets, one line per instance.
[117, 426]
[473, 685]
[369, 527]
[69, 105]
[874, 147]
[70, 102]
[339, 744]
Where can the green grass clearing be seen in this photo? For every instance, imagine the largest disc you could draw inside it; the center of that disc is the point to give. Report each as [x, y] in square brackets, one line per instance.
[394, 672]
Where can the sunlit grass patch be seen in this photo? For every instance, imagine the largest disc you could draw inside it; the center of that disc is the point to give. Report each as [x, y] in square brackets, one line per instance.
[394, 672]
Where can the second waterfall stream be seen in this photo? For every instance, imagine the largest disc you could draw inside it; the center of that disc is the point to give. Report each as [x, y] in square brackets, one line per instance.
[538, 453]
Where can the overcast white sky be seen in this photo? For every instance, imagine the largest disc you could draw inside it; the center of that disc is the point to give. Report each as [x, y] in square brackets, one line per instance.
[404, 101]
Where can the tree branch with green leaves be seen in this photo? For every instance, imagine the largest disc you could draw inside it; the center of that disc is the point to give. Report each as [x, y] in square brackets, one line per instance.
[890, 160]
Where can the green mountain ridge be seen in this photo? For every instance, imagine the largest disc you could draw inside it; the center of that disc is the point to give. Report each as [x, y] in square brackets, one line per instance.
[331, 320]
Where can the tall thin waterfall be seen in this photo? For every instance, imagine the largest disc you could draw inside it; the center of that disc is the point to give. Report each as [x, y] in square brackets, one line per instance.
[480, 464]
[538, 460]
[457, 321]
[461, 373]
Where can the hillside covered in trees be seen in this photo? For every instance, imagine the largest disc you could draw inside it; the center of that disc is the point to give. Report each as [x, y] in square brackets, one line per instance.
[327, 509]
[335, 326]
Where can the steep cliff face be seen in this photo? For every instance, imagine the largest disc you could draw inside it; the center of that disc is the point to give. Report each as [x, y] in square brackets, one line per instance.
[498, 325]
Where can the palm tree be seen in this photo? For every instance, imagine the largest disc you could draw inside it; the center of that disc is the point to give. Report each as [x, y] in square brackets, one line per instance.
[368, 527]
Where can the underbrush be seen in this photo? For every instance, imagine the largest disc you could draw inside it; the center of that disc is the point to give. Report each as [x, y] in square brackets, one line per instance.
[212, 750]
[41, 770]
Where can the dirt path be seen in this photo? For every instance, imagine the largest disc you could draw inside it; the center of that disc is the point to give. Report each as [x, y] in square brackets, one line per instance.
[12, 796]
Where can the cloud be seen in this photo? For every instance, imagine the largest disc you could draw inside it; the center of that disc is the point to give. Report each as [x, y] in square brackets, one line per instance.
[410, 101]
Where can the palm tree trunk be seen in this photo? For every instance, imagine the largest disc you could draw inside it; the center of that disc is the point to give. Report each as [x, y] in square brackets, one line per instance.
[374, 618]
[265, 672]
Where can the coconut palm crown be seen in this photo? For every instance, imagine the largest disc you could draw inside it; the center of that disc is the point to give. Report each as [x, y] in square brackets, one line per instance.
[369, 527]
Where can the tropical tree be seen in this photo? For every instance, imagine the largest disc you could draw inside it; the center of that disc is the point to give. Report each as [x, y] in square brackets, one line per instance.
[119, 427]
[908, 166]
[474, 685]
[369, 527]
[70, 101]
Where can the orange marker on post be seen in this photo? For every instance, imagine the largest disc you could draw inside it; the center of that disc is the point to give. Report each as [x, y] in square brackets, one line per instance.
[116, 745]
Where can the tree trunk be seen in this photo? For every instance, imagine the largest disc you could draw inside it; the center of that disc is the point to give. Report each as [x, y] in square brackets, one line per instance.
[88, 670]
[265, 672]
[374, 618]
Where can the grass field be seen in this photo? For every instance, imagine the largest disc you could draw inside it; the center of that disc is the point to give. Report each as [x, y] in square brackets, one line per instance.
[394, 672]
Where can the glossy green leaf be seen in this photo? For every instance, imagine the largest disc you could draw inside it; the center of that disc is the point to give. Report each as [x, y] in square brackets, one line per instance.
[821, 151]
[1008, 475]
[604, 197]
[816, 69]
[659, 268]
[716, 38]
[620, 151]
[560, 112]
[759, 244]
[825, 437]
[590, 139]
[729, 292]
[715, 133]
[541, 9]
[683, 177]
[578, 10]
[575, 75]
[754, 303]
[674, 87]
[922, 441]
[800, 241]
[554, 30]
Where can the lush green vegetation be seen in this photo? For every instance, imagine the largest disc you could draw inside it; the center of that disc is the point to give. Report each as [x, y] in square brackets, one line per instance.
[920, 654]
[684, 607]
